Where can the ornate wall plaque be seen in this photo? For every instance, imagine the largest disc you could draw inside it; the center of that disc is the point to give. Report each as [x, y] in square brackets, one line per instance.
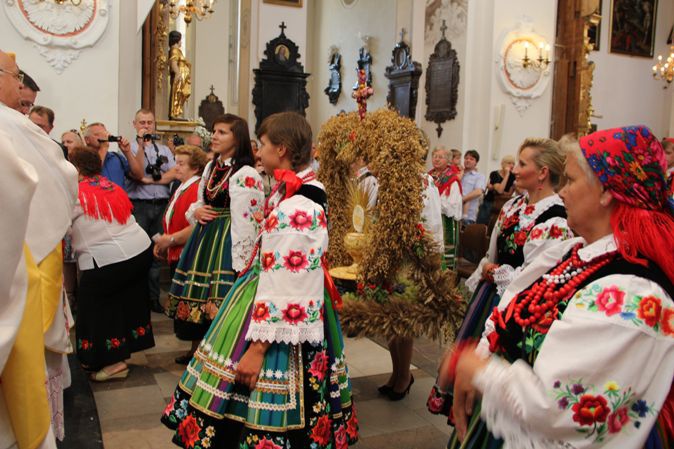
[522, 84]
[334, 88]
[403, 75]
[59, 31]
[442, 82]
[210, 108]
[280, 82]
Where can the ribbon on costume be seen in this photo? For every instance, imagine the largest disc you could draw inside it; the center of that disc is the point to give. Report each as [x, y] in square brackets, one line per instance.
[291, 180]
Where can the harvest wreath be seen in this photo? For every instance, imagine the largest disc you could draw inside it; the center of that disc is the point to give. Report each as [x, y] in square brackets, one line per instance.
[402, 288]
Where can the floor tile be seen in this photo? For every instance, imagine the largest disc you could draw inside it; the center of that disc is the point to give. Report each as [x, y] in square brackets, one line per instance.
[128, 403]
[380, 416]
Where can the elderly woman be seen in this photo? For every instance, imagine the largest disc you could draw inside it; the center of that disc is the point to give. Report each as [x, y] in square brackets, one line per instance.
[447, 178]
[190, 163]
[71, 139]
[501, 184]
[114, 256]
[527, 225]
[580, 351]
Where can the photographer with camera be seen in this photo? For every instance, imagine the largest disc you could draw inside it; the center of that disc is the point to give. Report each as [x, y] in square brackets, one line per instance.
[150, 198]
[116, 167]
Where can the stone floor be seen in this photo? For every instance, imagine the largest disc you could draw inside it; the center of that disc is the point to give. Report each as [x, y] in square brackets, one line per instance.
[129, 409]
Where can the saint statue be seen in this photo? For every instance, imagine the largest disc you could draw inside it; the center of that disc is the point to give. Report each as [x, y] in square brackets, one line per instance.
[181, 79]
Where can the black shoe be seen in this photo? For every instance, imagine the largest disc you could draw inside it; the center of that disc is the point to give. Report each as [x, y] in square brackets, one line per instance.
[156, 307]
[384, 389]
[395, 396]
[184, 359]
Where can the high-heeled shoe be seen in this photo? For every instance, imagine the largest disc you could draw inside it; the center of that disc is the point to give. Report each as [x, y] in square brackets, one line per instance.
[395, 396]
[384, 389]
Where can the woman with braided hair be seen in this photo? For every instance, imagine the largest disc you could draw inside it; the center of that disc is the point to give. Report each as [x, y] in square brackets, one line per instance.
[580, 350]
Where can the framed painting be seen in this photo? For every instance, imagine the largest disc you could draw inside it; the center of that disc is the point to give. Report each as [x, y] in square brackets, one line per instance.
[293, 3]
[633, 27]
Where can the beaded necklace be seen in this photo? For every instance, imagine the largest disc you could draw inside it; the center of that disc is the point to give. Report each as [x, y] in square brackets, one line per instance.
[537, 307]
[213, 190]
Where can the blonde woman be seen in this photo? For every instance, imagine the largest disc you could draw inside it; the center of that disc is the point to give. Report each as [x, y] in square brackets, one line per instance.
[501, 182]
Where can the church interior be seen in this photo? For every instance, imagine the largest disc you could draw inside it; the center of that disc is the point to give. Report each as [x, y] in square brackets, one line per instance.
[479, 76]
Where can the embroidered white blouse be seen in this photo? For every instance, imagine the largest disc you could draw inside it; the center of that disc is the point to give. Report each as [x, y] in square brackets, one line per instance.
[289, 295]
[246, 202]
[539, 238]
[431, 214]
[603, 370]
[452, 202]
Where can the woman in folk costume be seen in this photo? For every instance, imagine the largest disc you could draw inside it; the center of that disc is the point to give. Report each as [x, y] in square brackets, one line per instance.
[527, 225]
[580, 351]
[447, 179]
[113, 254]
[226, 215]
[271, 372]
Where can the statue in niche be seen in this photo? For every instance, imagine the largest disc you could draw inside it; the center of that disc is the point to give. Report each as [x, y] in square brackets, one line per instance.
[334, 88]
[181, 78]
[364, 62]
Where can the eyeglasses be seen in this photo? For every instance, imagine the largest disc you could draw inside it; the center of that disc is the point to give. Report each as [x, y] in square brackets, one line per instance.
[18, 75]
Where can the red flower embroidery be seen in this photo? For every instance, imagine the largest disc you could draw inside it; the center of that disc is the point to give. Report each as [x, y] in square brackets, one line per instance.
[649, 310]
[264, 443]
[85, 344]
[617, 420]
[590, 409]
[188, 430]
[319, 365]
[253, 202]
[210, 309]
[294, 313]
[261, 312]
[295, 261]
[322, 220]
[340, 438]
[520, 238]
[271, 223]
[435, 404]
[250, 181]
[667, 322]
[555, 232]
[182, 311]
[610, 300]
[536, 233]
[529, 209]
[268, 261]
[169, 407]
[115, 343]
[321, 431]
[300, 220]
[352, 426]
[140, 331]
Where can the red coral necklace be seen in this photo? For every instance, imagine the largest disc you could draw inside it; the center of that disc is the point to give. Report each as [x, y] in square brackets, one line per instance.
[540, 301]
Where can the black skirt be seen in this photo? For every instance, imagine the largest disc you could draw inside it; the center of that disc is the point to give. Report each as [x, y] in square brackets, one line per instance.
[113, 314]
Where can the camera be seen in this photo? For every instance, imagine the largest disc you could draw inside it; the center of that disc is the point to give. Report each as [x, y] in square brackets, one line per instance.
[111, 139]
[151, 137]
[154, 170]
[177, 140]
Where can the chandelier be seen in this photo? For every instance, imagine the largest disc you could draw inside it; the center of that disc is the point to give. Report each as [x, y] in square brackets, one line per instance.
[539, 63]
[200, 9]
[664, 70]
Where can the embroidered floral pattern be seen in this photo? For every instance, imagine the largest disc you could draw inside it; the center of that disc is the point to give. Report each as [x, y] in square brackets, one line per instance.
[294, 261]
[84, 344]
[248, 182]
[642, 311]
[141, 331]
[114, 343]
[293, 314]
[601, 414]
[299, 220]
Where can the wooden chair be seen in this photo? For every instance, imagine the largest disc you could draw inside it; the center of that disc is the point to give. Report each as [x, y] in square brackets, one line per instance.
[473, 245]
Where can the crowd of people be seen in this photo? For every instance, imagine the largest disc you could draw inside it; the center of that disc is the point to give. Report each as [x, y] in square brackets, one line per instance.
[567, 340]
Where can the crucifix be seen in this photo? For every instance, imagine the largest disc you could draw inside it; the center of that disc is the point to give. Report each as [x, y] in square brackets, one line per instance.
[283, 28]
[443, 28]
[403, 32]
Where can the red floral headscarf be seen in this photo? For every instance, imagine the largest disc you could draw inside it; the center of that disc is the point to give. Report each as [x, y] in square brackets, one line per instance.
[630, 163]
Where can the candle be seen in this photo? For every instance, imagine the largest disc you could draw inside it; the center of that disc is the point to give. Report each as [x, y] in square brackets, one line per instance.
[526, 49]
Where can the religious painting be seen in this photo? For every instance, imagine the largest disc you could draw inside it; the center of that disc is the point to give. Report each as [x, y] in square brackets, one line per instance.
[594, 28]
[633, 27]
[294, 3]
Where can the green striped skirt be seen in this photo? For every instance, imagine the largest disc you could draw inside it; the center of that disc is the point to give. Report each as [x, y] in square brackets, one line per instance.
[204, 272]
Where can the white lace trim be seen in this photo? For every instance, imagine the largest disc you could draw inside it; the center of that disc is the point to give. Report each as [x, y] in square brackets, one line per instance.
[503, 276]
[242, 250]
[288, 334]
[501, 411]
[473, 281]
